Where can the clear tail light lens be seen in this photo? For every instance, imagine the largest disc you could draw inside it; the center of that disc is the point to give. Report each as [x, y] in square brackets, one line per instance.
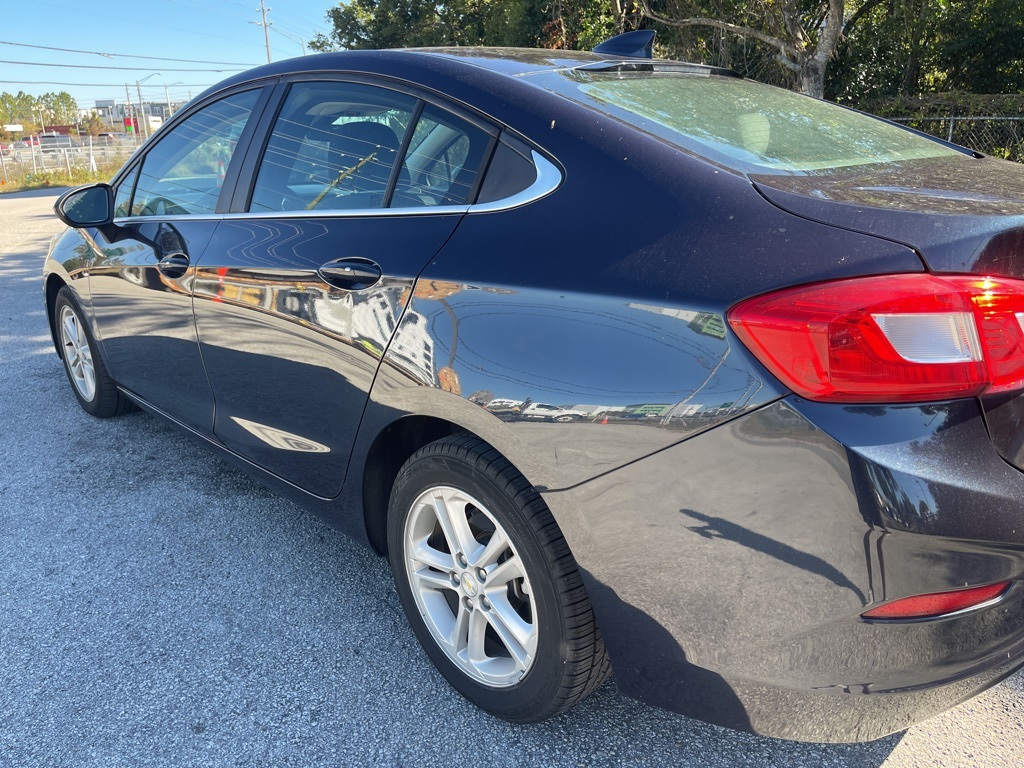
[896, 338]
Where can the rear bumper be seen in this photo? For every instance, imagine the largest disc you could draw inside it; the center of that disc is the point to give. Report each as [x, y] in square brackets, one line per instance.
[729, 572]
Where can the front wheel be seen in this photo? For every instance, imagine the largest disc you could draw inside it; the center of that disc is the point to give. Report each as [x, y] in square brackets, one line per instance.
[95, 391]
[489, 585]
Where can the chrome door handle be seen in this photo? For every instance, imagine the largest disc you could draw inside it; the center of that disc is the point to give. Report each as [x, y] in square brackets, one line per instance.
[352, 274]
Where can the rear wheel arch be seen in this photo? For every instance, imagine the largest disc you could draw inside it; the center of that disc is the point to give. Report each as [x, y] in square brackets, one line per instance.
[401, 438]
[387, 454]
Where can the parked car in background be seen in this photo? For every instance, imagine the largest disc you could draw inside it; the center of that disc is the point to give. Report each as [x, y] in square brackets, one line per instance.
[110, 138]
[55, 142]
[799, 512]
[552, 412]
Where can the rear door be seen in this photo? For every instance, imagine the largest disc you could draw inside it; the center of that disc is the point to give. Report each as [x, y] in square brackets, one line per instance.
[299, 292]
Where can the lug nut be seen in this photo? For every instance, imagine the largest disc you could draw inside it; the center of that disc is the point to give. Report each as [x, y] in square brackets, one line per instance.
[454, 578]
[481, 574]
[462, 559]
[468, 603]
[485, 603]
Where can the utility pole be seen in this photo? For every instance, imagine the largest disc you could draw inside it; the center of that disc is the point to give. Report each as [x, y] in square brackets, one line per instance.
[167, 100]
[127, 113]
[265, 25]
[142, 109]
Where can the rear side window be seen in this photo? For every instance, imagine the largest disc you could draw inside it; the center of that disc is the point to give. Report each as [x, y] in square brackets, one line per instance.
[183, 174]
[443, 161]
[740, 123]
[333, 147]
[352, 146]
[509, 173]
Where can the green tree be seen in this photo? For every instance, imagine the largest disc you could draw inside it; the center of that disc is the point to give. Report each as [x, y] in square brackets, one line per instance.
[801, 36]
[362, 24]
[889, 53]
[981, 46]
[93, 125]
[55, 108]
[17, 108]
[60, 107]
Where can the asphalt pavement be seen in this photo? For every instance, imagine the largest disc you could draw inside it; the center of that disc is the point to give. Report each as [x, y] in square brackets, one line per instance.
[158, 608]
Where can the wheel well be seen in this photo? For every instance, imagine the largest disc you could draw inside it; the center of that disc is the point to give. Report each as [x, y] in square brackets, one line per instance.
[389, 452]
[53, 285]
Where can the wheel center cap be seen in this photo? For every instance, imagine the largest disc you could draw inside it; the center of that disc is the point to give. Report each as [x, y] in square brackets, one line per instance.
[469, 585]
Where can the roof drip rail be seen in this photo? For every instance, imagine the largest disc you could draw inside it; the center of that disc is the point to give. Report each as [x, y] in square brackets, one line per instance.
[638, 44]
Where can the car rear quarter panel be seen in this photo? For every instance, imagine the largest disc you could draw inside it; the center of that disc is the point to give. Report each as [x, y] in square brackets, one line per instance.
[607, 296]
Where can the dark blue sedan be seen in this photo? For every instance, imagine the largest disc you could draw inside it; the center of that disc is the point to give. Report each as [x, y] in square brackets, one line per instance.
[624, 363]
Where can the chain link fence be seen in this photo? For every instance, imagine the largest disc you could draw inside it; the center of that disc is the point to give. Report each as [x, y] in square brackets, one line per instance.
[997, 136]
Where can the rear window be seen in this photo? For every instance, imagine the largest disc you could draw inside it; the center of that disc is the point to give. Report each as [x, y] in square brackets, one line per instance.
[740, 123]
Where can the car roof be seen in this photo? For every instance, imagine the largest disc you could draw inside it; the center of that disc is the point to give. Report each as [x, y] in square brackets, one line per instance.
[426, 64]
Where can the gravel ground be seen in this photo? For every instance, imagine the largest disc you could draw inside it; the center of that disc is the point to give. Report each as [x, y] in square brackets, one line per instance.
[159, 608]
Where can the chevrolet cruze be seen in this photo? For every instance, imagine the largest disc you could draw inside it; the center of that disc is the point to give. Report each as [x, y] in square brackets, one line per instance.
[789, 498]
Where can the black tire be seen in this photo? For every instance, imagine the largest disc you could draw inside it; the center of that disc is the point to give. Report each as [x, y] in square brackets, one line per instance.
[104, 399]
[570, 660]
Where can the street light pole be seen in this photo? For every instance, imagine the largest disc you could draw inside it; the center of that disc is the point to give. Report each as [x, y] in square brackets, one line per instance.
[142, 105]
[127, 115]
[142, 110]
[167, 98]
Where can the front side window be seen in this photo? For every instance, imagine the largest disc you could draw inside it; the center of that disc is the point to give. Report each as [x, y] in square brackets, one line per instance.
[333, 147]
[183, 174]
[123, 194]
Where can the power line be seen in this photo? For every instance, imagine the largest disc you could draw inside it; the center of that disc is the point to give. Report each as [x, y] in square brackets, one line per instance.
[121, 69]
[90, 85]
[124, 55]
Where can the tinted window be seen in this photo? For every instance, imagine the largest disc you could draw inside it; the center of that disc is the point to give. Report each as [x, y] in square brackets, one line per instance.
[333, 146]
[123, 194]
[185, 171]
[443, 161]
[740, 123]
[509, 173]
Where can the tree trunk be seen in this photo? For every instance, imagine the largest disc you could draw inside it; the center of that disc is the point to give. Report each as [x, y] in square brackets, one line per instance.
[812, 78]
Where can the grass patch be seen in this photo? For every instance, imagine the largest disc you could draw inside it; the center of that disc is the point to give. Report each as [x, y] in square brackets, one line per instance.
[18, 178]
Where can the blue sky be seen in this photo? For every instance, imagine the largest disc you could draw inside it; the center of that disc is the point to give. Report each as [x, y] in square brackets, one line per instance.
[192, 30]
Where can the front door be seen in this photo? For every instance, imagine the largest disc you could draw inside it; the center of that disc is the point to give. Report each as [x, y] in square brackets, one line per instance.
[143, 267]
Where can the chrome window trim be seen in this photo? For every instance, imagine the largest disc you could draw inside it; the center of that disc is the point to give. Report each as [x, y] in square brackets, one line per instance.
[549, 178]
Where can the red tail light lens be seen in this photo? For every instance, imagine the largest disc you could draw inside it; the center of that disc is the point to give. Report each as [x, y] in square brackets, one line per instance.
[897, 338]
[938, 603]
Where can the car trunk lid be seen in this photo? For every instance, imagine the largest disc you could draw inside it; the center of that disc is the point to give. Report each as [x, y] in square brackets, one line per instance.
[961, 214]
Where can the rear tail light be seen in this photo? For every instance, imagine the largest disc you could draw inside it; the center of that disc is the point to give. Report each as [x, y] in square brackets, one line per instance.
[938, 604]
[897, 338]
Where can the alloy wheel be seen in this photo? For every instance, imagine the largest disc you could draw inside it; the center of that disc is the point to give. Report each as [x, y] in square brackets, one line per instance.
[470, 586]
[77, 353]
